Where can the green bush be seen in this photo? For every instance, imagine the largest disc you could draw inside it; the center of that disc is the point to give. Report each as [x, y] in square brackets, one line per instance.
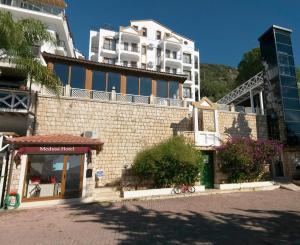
[169, 163]
[244, 159]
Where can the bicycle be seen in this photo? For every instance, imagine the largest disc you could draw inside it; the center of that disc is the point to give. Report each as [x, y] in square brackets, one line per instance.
[183, 189]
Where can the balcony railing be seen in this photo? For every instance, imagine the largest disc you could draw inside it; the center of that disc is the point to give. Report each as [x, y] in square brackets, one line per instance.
[177, 57]
[205, 138]
[186, 60]
[35, 7]
[14, 100]
[113, 96]
[130, 49]
[109, 47]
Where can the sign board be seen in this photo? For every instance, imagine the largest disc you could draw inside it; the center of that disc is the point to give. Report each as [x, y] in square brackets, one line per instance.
[54, 150]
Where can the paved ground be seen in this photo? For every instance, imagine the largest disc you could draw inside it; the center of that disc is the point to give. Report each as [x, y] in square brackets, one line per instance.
[266, 217]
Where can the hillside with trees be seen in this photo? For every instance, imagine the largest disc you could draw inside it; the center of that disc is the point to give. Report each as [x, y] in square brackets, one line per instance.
[218, 80]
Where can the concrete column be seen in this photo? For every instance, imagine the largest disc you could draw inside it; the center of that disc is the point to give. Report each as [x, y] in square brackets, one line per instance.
[113, 94]
[164, 62]
[251, 101]
[196, 120]
[216, 118]
[67, 90]
[261, 102]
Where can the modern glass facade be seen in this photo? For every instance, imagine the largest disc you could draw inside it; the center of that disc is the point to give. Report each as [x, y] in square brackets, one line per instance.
[284, 110]
[76, 77]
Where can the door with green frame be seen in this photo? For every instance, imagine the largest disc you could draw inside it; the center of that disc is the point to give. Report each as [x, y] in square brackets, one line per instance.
[207, 175]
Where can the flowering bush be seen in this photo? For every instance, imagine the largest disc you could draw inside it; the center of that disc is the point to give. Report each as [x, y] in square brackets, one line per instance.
[244, 159]
[169, 162]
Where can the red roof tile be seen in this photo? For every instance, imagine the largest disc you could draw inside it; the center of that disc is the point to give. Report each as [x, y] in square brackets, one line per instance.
[56, 139]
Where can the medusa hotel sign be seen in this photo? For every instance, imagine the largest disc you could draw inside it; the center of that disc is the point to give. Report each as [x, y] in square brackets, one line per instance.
[54, 150]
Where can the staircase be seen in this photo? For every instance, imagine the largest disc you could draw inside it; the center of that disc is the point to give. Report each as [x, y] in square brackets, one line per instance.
[106, 194]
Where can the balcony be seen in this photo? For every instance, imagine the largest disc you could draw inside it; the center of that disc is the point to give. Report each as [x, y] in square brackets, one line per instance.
[207, 139]
[55, 9]
[109, 47]
[129, 52]
[14, 101]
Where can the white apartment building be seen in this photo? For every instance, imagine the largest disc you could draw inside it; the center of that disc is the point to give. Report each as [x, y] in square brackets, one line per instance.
[147, 44]
[52, 14]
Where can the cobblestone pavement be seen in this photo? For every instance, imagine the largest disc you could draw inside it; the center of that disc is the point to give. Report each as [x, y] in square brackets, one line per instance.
[266, 217]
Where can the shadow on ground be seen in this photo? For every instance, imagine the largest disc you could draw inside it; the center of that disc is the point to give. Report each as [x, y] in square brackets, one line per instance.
[138, 225]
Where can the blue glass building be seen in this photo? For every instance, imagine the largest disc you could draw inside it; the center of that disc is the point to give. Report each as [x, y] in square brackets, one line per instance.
[283, 106]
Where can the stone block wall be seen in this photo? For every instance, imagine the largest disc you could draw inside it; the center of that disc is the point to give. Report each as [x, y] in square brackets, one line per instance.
[124, 128]
[242, 125]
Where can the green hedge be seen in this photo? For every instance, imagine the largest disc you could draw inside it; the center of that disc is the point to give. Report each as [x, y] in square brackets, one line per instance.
[168, 163]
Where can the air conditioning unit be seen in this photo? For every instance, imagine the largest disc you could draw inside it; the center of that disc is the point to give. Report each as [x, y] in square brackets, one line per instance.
[150, 64]
[90, 134]
[150, 46]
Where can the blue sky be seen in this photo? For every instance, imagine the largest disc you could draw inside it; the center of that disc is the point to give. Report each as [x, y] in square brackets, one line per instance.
[223, 29]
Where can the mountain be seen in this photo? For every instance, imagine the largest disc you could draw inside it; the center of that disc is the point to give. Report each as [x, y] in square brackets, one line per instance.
[217, 80]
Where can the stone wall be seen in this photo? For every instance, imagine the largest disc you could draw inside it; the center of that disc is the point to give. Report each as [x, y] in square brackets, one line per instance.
[243, 125]
[124, 128]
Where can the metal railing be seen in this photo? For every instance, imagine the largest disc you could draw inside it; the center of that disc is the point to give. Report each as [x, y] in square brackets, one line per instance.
[243, 89]
[177, 57]
[130, 48]
[109, 47]
[14, 100]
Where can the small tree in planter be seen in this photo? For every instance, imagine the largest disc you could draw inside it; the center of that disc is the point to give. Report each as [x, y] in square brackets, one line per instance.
[244, 159]
[169, 163]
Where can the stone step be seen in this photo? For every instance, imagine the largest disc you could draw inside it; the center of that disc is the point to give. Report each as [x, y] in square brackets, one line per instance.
[290, 186]
[106, 192]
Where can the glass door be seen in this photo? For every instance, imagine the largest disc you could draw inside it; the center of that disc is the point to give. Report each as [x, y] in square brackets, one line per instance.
[72, 176]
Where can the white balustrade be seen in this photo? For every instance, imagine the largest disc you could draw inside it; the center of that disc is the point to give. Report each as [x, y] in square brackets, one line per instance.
[204, 138]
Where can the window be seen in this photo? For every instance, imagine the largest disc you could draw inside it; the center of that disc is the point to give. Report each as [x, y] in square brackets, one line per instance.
[187, 92]
[125, 46]
[168, 69]
[144, 50]
[62, 71]
[174, 70]
[196, 78]
[44, 177]
[158, 35]
[185, 43]
[173, 89]
[134, 47]
[158, 52]
[168, 34]
[145, 86]
[132, 85]
[125, 63]
[109, 44]
[174, 55]
[135, 27]
[109, 60]
[161, 89]
[77, 77]
[114, 81]
[188, 73]
[133, 64]
[99, 81]
[144, 31]
[168, 52]
[143, 66]
[187, 58]
[158, 68]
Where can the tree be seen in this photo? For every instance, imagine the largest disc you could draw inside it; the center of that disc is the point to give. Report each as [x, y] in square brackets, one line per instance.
[17, 40]
[169, 162]
[249, 66]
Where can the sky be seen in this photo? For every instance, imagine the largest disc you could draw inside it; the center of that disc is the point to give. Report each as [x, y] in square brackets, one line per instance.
[222, 29]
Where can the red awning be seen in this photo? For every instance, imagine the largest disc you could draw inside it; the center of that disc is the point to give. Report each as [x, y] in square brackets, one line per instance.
[57, 140]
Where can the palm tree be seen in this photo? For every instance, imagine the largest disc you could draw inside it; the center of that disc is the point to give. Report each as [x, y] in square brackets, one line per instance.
[17, 41]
